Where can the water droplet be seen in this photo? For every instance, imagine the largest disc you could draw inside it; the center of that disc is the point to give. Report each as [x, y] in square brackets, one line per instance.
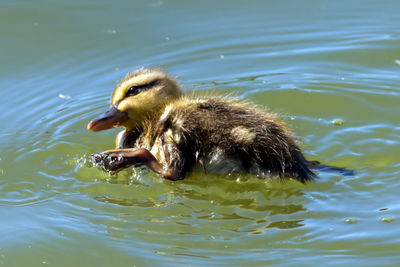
[167, 38]
[397, 61]
[64, 96]
[112, 31]
[351, 220]
[337, 122]
[387, 219]
[221, 56]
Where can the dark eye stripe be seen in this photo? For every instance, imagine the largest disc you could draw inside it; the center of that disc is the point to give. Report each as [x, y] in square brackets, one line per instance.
[136, 89]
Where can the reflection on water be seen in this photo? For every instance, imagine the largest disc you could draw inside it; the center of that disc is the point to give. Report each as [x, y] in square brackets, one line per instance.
[314, 64]
[132, 202]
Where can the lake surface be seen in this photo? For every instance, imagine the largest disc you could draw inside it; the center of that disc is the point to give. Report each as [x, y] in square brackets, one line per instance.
[331, 68]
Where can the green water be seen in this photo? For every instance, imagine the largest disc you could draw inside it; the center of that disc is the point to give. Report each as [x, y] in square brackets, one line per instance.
[311, 61]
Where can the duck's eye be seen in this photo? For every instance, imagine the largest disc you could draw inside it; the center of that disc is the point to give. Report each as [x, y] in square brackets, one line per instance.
[136, 89]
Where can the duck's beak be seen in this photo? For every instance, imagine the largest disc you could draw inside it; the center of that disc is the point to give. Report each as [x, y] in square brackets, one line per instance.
[110, 119]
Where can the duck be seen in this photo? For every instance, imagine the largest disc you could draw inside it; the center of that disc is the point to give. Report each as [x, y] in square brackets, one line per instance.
[174, 134]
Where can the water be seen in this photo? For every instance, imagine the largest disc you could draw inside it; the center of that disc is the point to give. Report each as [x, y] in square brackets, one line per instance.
[314, 62]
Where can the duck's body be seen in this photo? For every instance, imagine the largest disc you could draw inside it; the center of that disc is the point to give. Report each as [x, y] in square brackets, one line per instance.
[178, 133]
[218, 135]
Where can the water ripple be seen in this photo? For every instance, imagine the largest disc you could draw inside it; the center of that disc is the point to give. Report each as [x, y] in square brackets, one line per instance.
[314, 63]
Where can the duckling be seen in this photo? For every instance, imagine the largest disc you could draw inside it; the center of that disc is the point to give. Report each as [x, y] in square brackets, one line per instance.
[173, 134]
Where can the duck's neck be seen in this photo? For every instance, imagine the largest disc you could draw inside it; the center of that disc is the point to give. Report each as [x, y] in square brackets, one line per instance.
[151, 120]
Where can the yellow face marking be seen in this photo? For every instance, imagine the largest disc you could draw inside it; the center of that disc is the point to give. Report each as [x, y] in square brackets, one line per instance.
[136, 80]
[145, 105]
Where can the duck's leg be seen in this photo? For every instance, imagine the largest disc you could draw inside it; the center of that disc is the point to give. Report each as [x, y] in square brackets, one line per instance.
[117, 159]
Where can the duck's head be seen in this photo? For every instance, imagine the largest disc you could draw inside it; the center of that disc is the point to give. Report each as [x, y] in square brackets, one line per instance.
[140, 96]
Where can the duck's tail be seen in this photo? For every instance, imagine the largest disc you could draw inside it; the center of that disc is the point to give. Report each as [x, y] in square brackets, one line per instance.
[322, 167]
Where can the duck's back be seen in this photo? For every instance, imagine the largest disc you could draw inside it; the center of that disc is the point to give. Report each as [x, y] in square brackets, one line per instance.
[227, 135]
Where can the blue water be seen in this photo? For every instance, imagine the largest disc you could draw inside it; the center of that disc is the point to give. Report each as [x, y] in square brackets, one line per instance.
[313, 62]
